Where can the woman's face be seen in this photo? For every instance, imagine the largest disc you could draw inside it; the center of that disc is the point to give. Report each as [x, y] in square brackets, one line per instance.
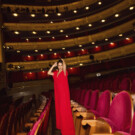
[60, 66]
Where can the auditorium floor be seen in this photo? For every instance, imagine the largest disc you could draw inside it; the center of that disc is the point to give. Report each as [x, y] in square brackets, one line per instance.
[54, 130]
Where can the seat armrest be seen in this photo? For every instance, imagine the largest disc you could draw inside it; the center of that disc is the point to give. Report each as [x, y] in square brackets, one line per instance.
[86, 115]
[28, 125]
[97, 126]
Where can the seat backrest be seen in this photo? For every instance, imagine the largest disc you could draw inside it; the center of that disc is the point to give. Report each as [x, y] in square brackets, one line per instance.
[121, 111]
[103, 104]
[133, 126]
[93, 100]
[82, 96]
[133, 86]
[3, 124]
[77, 94]
[115, 84]
[87, 97]
[125, 84]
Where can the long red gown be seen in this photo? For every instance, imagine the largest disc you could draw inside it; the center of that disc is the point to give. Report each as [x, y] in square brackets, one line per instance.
[64, 119]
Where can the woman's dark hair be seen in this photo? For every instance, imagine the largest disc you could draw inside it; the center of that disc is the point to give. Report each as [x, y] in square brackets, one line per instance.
[59, 61]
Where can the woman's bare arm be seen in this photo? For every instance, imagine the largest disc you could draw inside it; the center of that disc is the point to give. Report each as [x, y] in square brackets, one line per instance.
[64, 66]
[50, 70]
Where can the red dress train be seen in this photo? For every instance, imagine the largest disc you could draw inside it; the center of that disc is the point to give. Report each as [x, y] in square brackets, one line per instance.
[64, 119]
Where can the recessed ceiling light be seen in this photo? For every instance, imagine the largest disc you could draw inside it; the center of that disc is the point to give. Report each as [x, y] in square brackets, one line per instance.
[98, 74]
[106, 39]
[96, 46]
[120, 35]
[93, 43]
[82, 49]
[50, 49]
[116, 15]
[81, 64]
[131, 8]
[18, 51]
[63, 48]
[39, 38]
[90, 25]
[36, 50]
[127, 38]
[53, 37]
[99, 3]
[77, 28]
[46, 15]
[34, 32]
[15, 14]
[16, 32]
[103, 20]
[61, 31]
[48, 32]
[68, 51]
[58, 14]
[51, 21]
[71, 68]
[87, 8]
[111, 43]
[32, 15]
[80, 45]
[27, 39]
[75, 11]
[55, 53]
[66, 35]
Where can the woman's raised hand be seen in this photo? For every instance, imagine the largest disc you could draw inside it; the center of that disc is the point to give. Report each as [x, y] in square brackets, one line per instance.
[55, 64]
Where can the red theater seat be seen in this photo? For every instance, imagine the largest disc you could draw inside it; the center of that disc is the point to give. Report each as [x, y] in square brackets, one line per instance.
[102, 110]
[119, 117]
[132, 131]
[125, 84]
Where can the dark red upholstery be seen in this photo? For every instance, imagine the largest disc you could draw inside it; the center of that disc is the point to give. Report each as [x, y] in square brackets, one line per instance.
[115, 84]
[82, 97]
[3, 124]
[103, 105]
[120, 112]
[133, 86]
[87, 98]
[125, 84]
[92, 104]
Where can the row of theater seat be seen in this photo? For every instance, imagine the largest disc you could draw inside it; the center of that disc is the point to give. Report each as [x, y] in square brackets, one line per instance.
[39, 122]
[96, 112]
[114, 82]
[14, 116]
[40, 126]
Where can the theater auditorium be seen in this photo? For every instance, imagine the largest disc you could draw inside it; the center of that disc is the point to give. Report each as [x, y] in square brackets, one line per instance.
[67, 67]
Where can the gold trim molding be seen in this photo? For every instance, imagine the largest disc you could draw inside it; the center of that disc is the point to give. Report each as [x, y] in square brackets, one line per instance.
[71, 6]
[113, 53]
[73, 42]
[70, 24]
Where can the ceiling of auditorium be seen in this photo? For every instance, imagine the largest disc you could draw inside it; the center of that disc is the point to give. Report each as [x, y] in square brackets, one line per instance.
[41, 31]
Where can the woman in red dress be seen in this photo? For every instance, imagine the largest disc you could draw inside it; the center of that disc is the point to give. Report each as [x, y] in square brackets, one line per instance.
[64, 119]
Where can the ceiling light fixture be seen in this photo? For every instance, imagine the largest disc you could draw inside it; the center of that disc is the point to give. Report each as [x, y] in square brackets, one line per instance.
[15, 14]
[32, 15]
[16, 32]
[77, 28]
[103, 20]
[75, 11]
[34, 32]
